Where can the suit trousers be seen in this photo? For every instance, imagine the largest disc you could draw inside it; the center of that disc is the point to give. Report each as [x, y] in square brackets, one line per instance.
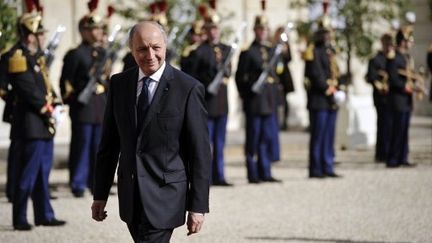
[83, 148]
[321, 144]
[399, 149]
[383, 132]
[259, 132]
[141, 229]
[34, 165]
[217, 131]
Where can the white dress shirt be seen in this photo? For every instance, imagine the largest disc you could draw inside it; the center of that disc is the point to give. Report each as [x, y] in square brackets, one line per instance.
[155, 78]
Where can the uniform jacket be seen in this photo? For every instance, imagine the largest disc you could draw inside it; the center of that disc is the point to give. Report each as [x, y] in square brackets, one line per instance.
[74, 78]
[376, 64]
[169, 159]
[400, 100]
[30, 121]
[249, 68]
[204, 68]
[318, 71]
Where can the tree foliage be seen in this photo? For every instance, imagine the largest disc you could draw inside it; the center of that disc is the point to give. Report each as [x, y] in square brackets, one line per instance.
[8, 15]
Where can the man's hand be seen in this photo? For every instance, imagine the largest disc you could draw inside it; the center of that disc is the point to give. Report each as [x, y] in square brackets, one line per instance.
[98, 208]
[194, 222]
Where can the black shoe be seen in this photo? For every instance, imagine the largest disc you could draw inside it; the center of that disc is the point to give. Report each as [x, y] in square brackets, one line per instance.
[221, 183]
[78, 193]
[52, 197]
[254, 181]
[52, 222]
[392, 166]
[333, 175]
[408, 164]
[271, 179]
[317, 176]
[22, 227]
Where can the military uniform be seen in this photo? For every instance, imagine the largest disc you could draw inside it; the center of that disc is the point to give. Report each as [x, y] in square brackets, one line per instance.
[378, 78]
[260, 110]
[32, 131]
[286, 83]
[401, 102]
[7, 94]
[86, 118]
[321, 74]
[206, 61]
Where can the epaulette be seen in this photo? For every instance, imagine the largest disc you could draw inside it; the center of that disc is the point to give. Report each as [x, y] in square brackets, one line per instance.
[308, 55]
[391, 54]
[17, 62]
[188, 49]
[267, 44]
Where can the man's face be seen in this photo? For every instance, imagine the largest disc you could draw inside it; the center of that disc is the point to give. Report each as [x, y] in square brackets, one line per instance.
[213, 34]
[261, 33]
[148, 48]
[92, 35]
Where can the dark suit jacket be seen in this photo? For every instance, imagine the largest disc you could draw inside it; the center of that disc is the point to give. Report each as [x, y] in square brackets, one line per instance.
[77, 65]
[204, 68]
[376, 64]
[169, 159]
[400, 100]
[30, 91]
[249, 68]
[318, 71]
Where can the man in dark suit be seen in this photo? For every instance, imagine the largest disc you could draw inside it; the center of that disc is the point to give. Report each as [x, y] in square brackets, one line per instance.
[33, 123]
[86, 118]
[156, 121]
[259, 107]
[208, 58]
[377, 76]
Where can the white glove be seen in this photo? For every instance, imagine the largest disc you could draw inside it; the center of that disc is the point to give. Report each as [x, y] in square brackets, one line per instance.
[339, 97]
[59, 114]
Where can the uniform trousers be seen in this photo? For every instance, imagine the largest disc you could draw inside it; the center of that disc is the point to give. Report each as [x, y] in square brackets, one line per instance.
[34, 165]
[83, 148]
[274, 147]
[321, 144]
[12, 164]
[383, 132]
[259, 130]
[217, 130]
[398, 153]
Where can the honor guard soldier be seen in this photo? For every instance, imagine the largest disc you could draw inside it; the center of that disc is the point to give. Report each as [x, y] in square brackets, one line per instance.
[283, 73]
[33, 123]
[402, 86]
[7, 95]
[323, 95]
[377, 76]
[208, 60]
[195, 38]
[81, 75]
[259, 106]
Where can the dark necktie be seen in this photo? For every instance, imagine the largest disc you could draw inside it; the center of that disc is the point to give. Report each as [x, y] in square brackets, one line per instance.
[143, 102]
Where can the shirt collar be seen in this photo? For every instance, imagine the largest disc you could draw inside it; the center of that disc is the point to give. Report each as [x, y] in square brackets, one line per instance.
[156, 76]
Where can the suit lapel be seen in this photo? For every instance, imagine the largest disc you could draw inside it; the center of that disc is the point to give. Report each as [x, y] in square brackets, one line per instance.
[159, 95]
[132, 90]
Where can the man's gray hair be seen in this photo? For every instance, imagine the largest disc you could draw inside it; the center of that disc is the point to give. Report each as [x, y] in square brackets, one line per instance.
[135, 27]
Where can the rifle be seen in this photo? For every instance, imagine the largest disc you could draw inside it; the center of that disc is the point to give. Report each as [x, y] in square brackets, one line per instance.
[416, 80]
[259, 83]
[98, 69]
[213, 87]
[53, 44]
